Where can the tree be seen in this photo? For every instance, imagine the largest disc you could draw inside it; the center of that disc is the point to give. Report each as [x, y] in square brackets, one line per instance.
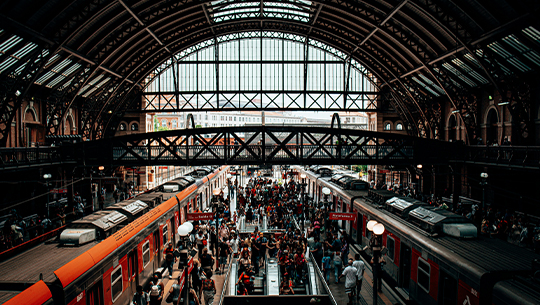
[158, 127]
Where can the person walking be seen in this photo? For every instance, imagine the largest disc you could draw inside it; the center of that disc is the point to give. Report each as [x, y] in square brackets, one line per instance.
[223, 251]
[360, 267]
[350, 279]
[208, 289]
[175, 291]
[196, 276]
[140, 297]
[327, 266]
[170, 259]
[338, 264]
[156, 290]
[207, 261]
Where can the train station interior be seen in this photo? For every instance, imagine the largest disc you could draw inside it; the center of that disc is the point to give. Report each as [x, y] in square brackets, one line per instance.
[400, 135]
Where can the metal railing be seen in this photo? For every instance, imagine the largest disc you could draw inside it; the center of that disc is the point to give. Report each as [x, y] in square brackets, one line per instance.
[321, 281]
[226, 281]
[320, 277]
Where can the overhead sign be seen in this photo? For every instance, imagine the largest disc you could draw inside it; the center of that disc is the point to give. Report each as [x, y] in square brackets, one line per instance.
[200, 216]
[59, 191]
[343, 216]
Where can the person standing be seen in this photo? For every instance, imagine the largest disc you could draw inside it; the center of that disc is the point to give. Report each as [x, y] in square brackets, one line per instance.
[79, 207]
[255, 251]
[199, 237]
[116, 195]
[234, 243]
[317, 251]
[140, 297]
[213, 240]
[360, 266]
[263, 241]
[101, 202]
[350, 279]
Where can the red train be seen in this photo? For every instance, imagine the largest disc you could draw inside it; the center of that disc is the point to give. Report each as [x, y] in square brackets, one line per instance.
[108, 271]
[434, 256]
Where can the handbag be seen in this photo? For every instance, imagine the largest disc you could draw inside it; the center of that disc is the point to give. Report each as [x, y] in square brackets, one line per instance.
[169, 298]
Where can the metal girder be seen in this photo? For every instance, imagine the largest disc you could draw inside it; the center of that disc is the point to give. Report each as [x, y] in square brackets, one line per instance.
[518, 95]
[268, 145]
[14, 89]
[133, 39]
[265, 145]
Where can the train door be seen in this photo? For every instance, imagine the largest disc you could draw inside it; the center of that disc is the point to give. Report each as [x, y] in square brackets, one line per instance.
[94, 295]
[405, 266]
[173, 231]
[157, 257]
[448, 289]
[133, 273]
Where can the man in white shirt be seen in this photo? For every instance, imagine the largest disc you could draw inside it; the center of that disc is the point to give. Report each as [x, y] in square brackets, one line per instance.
[360, 266]
[350, 279]
[234, 243]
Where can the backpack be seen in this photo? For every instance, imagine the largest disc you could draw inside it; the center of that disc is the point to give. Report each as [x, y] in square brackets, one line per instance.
[155, 290]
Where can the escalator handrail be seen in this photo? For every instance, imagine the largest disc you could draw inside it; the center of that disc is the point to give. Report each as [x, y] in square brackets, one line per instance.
[319, 273]
[226, 283]
[321, 276]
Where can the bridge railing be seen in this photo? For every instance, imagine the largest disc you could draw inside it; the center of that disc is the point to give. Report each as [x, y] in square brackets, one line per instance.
[526, 156]
[22, 156]
[254, 152]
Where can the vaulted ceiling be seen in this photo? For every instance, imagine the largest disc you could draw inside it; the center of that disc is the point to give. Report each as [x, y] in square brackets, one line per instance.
[94, 55]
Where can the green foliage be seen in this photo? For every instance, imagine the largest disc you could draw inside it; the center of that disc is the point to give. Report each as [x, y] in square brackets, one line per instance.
[360, 168]
[158, 127]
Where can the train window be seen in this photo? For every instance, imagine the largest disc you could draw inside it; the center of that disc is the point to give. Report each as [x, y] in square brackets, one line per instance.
[165, 238]
[423, 274]
[146, 253]
[390, 245]
[117, 285]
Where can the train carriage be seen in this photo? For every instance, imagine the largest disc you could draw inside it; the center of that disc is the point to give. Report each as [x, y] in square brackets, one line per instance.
[108, 271]
[432, 256]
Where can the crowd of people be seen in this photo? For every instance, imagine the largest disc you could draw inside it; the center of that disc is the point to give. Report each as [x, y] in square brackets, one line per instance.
[17, 229]
[286, 210]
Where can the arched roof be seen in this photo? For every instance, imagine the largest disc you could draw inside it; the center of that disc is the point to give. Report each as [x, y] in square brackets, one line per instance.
[95, 53]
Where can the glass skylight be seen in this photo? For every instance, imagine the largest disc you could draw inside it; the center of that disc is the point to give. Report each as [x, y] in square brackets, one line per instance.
[525, 51]
[458, 73]
[469, 70]
[432, 84]
[226, 10]
[10, 43]
[509, 57]
[424, 86]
